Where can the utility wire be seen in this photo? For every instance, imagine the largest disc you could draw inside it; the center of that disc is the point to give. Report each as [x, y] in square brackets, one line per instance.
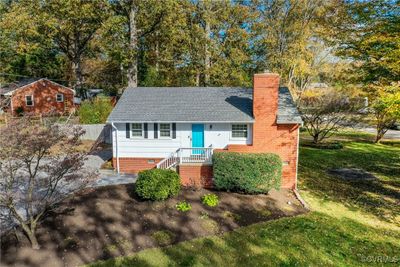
[25, 76]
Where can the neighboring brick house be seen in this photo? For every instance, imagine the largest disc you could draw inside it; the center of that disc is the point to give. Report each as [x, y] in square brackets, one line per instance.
[38, 97]
[181, 127]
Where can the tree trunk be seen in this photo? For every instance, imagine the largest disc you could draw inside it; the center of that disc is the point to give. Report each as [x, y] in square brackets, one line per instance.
[77, 68]
[133, 47]
[207, 60]
[379, 136]
[198, 79]
[316, 139]
[157, 53]
[33, 240]
[30, 232]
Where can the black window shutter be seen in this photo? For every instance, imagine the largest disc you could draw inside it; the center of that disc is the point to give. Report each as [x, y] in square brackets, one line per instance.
[174, 130]
[145, 131]
[128, 130]
[155, 130]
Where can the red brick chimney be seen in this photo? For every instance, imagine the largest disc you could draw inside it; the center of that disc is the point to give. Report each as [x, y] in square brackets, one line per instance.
[268, 136]
[265, 105]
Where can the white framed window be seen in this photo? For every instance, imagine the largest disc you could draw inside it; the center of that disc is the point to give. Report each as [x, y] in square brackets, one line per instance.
[60, 98]
[136, 130]
[165, 130]
[239, 131]
[29, 100]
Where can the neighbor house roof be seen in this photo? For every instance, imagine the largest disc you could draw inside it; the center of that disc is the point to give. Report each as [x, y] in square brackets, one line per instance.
[193, 104]
[10, 88]
[15, 85]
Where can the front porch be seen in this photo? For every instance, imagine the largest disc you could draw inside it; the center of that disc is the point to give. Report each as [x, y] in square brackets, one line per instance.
[187, 156]
[194, 165]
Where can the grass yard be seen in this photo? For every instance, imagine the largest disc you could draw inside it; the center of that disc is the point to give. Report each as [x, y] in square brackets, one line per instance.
[351, 223]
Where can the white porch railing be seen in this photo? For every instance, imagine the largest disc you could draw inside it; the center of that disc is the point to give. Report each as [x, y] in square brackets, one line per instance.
[187, 155]
[195, 155]
[169, 161]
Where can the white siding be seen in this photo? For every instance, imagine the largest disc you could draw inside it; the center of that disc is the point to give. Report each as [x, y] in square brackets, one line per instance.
[219, 136]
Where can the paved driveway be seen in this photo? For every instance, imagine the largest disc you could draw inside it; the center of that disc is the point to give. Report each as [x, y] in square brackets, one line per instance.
[390, 134]
[107, 177]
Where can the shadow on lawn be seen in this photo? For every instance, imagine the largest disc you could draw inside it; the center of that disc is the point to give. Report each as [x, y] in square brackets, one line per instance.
[112, 221]
[315, 239]
[380, 197]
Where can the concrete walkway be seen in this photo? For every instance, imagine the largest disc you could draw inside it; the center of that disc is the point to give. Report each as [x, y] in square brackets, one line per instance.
[108, 177]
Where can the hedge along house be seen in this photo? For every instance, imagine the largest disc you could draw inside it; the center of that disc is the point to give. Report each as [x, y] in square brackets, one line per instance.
[181, 127]
[38, 97]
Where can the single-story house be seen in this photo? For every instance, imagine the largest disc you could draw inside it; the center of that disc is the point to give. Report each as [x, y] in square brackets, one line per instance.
[38, 97]
[181, 127]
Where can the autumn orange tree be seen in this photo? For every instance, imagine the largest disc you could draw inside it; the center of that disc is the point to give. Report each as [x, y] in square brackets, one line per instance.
[386, 109]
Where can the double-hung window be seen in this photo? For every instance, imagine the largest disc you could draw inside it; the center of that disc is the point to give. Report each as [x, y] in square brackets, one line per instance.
[60, 97]
[165, 130]
[137, 130]
[29, 100]
[239, 131]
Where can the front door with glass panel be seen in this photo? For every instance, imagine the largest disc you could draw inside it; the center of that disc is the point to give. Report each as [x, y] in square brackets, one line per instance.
[197, 138]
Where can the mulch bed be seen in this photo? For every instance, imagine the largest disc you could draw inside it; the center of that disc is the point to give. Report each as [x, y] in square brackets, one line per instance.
[112, 221]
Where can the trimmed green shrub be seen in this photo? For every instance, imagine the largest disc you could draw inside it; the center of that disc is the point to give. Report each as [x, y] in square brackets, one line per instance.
[183, 206]
[210, 200]
[249, 173]
[157, 184]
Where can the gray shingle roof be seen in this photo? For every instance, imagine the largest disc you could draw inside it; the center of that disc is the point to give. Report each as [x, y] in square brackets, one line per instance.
[187, 104]
[287, 111]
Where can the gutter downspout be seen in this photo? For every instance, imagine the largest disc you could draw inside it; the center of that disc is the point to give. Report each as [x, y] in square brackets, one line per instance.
[296, 193]
[116, 145]
[297, 160]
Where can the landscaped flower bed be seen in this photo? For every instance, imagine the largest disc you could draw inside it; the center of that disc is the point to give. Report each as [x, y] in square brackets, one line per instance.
[112, 221]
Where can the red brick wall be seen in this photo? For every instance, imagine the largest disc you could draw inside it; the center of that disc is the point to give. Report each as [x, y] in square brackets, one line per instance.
[44, 96]
[267, 135]
[191, 175]
[196, 175]
[135, 165]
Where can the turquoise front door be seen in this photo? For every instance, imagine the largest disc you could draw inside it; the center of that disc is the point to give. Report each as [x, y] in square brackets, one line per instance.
[197, 137]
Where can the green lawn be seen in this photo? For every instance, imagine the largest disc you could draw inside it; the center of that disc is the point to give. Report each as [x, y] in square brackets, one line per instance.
[351, 224]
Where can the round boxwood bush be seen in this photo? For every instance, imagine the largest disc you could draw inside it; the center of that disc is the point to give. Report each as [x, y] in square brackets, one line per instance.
[157, 184]
[248, 173]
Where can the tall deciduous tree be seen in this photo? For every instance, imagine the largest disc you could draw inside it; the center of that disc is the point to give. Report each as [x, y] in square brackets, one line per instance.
[369, 35]
[73, 24]
[286, 38]
[25, 46]
[140, 18]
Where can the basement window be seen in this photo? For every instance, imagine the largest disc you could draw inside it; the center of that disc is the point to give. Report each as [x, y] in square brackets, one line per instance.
[29, 100]
[239, 131]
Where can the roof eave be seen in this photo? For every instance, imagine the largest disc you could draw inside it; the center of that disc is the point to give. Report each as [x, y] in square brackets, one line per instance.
[289, 122]
[126, 121]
